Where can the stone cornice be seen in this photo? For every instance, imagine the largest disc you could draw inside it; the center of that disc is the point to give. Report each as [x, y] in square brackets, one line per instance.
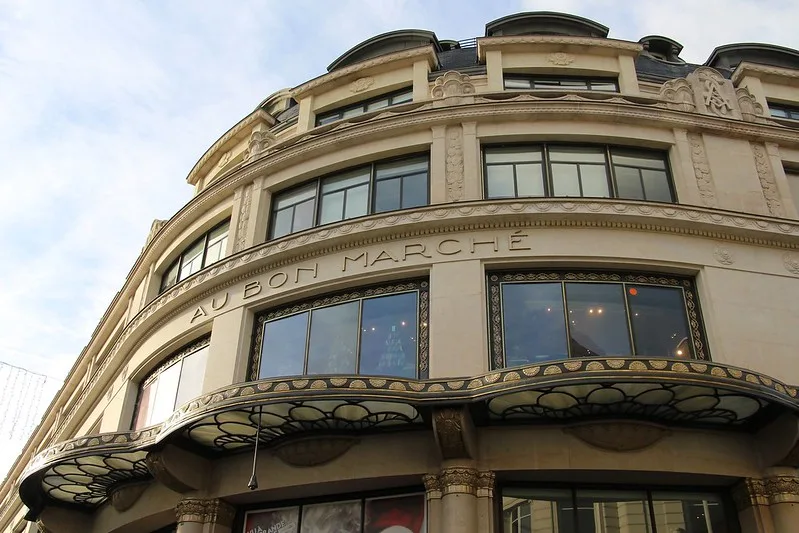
[410, 55]
[548, 43]
[785, 75]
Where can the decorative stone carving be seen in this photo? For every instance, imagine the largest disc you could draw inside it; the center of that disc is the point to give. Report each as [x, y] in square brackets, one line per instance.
[723, 255]
[454, 433]
[767, 181]
[205, 512]
[244, 219]
[361, 84]
[560, 58]
[768, 491]
[678, 95]
[124, 496]
[225, 159]
[713, 95]
[486, 480]
[454, 164]
[781, 489]
[260, 140]
[791, 262]
[313, 451]
[748, 493]
[618, 436]
[751, 110]
[178, 469]
[432, 485]
[452, 85]
[458, 480]
[704, 180]
[155, 227]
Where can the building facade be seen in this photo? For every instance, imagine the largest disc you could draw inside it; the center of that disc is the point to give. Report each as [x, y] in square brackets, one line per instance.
[541, 281]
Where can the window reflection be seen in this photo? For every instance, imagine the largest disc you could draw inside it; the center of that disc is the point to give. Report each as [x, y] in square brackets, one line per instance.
[203, 252]
[334, 339]
[694, 513]
[283, 348]
[388, 336]
[657, 315]
[535, 330]
[597, 319]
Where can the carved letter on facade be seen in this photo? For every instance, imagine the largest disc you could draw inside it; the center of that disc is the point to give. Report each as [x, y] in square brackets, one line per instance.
[454, 164]
[713, 94]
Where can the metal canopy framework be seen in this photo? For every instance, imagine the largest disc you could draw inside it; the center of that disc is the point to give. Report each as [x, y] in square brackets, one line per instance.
[82, 472]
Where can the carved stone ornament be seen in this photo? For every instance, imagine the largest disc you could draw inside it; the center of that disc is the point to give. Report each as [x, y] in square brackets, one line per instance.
[704, 180]
[791, 262]
[454, 164]
[313, 451]
[205, 512]
[751, 110]
[678, 95]
[458, 480]
[560, 58]
[244, 219]
[124, 496]
[619, 436]
[225, 159]
[767, 182]
[713, 94]
[361, 84]
[260, 140]
[177, 469]
[452, 84]
[452, 429]
[768, 491]
[432, 485]
[723, 255]
[155, 227]
[486, 481]
[749, 493]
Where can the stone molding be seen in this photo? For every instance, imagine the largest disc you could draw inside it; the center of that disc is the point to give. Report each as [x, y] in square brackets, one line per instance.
[453, 88]
[791, 262]
[759, 71]
[361, 84]
[458, 480]
[594, 44]
[723, 255]
[704, 179]
[768, 491]
[560, 58]
[201, 511]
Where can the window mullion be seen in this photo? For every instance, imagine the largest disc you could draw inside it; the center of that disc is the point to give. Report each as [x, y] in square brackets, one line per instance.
[307, 342]
[633, 347]
[372, 188]
[641, 181]
[358, 338]
[515, 181]
[611, 172]
[317, 205]
[566, 316]
[546, 168]
[205, 249]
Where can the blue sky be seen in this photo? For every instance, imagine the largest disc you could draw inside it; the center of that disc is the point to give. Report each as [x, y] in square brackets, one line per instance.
[105, 106]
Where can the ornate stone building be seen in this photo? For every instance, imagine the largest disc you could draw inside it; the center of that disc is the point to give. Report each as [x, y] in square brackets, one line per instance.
[542, 281]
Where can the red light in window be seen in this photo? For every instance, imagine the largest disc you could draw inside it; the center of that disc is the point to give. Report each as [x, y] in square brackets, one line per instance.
[633, 291]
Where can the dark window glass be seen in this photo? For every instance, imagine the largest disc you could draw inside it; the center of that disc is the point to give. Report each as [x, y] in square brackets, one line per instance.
[283, 348]
[526, 82]
[513, 172]
[333, 345]
[537, 511]
[401, 185]
[534, 324]
[605, 511]
[170, 276]
[388, 336]
[579, 171]
[641, 176]
[657, 315]
[783, 111]
[203, 252]
[294, 211]
[597, 319]
[345, 196]
[373, 104]
[694, 513]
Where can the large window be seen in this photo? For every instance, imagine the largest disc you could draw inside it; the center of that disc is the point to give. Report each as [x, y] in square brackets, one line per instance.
[381, 331]
[783, 111]
[405, 513]
[400, 97]
[522, 82]
[579, 171]
[172, 384]
[611, 511]
[544, 316]
[203, 252]
[375, 188]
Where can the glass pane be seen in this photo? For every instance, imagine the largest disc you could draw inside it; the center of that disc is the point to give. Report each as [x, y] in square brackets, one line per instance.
[694, 513]
[547, 84]
[778, 112]
[656, 184]
[537, 511]
[574, 84]
[327, 119]
[296, 196]
[164, 403]
[577, 154]
[530, 180]
[338, 517]
[628, 183]
[191, 376]
[282, 223]
[414, 191]
[612, 511]
[143, 412]
[357, 204]
[513, 154]
[334, 339]
[389, 335]
[597, 319]
[303, 216]
[401, 168]
[402, 98]
[603, 86]
[595, 181]
[402, 514]
[387, 195]
[380, 104]
[283, 348]
[170, 276]
[217, 242]
[499, 180]
[192, 260]
[352, 112]
[348, 179]
[637, 159]
[332, 208]
[660, 327]
[517, 83]
[275, 520]
[533, 322]
[565, 181]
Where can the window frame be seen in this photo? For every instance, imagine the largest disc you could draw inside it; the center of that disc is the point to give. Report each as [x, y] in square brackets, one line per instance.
[588, 80]
[178, 261]
[175, 357]
[371, 203]
[546, 166]
[791, 110]
[496, 333]
[420, 286]
[339, 112]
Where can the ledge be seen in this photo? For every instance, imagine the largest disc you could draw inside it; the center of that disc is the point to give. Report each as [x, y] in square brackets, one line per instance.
[557, 43]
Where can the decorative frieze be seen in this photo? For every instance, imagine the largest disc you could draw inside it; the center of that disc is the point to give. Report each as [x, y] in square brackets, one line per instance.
[454, 164]
[560, 59]
[767, 181]
[704, 180]
[791, 262]
[213, 511]
[451, 87]
[244, 219]
[723, 255]
[458, 480]
[769, 491]
[361, 84]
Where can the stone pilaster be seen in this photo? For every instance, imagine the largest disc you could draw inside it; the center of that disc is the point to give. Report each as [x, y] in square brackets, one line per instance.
[771, 504]
[204, 516]
[432, 485]
[460, 499]
[486, 481]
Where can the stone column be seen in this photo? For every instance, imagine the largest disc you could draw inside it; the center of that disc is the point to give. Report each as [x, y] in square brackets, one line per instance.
[432, 485]
[204, 516]
[485, 501]
[459, 499]
[782, 490]
[752, 504]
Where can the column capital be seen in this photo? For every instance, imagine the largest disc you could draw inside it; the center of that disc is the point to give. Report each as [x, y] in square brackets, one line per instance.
[768, 491]
[201, 511]
[782, 489]
[486, 480]
[432, 485]
[749, 493]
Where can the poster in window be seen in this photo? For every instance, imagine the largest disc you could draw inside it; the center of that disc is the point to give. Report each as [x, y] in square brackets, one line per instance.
[338, 517]
[272, 521]
[404, 514]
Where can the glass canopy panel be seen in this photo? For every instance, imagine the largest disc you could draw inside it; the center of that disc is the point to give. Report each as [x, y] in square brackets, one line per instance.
[597, 319]
[389, 336]
[534, 324]
[283, 347]
[333, 344]
[659, 322]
